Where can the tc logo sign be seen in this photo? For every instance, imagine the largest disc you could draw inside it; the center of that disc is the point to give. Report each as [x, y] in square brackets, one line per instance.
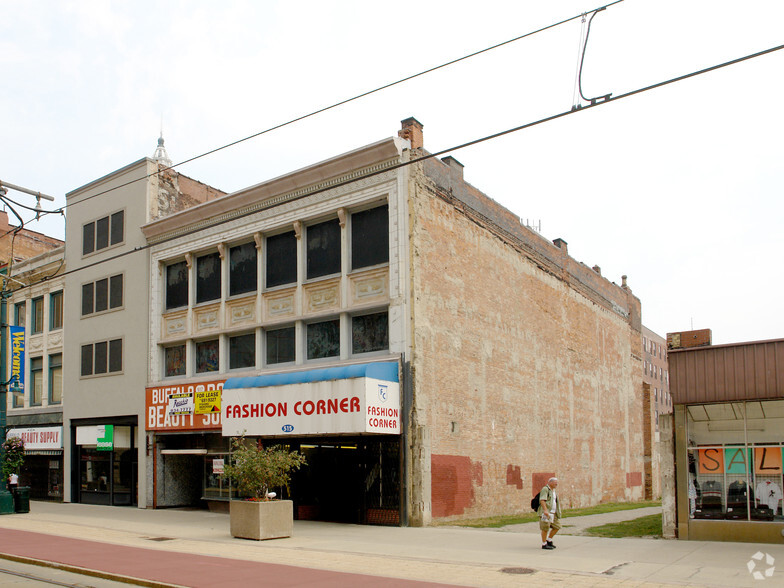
[755, 565]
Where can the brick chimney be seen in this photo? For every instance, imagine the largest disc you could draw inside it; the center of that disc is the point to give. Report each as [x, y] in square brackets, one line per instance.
[412, 130]
[561, 244]
[454, 164]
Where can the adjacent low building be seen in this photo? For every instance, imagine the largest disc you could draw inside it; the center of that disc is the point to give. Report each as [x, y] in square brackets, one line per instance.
[729, 437]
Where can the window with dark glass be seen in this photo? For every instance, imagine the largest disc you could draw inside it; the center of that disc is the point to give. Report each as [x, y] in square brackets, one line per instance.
[207, 356]
[36, 380]
[370, 332]
[370, 237]
[56, 310]
[176, 285]
[242, 269]
[106, 231]
[323, 242]
[208, 277]
[56, 378]
[323, 339]
[280, 345]
[242, 351]
[102, 357]
[281, 259]
[37, 317]
[102, 295]
[88, 238]
[117, 229]
[174, 360]
[19, 314]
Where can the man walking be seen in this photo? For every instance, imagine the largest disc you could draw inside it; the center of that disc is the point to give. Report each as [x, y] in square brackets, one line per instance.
[549, 513]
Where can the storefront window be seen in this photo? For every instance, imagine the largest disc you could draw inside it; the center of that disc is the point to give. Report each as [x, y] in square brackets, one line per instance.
[735, 460]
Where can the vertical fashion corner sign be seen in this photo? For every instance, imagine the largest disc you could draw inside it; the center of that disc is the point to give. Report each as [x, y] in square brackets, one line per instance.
[17, 358]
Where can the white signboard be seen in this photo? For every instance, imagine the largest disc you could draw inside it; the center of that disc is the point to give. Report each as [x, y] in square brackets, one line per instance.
[355, 405]
[39, 437]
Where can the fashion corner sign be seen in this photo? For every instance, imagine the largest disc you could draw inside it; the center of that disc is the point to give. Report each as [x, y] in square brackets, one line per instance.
[306, 404]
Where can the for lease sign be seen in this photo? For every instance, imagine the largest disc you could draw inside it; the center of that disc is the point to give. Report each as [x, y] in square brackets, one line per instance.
[357, 405]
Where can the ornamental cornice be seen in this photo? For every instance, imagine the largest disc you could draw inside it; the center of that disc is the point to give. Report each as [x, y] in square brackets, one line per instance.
[322, 191]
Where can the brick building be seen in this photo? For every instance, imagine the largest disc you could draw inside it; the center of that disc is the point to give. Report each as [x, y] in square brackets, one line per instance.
[498, 359]
[23, 243]
[656, 401]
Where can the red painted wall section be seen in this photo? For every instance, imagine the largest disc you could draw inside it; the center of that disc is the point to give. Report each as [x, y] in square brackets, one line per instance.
[539, 481]
[633, 479]
[453, 478]
[513, 477]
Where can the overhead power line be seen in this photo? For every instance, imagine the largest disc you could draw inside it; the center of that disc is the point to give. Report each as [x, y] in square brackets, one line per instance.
[346, 101]
[445, 151]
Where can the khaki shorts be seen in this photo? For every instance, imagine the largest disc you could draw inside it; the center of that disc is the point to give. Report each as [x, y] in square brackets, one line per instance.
[556, 524]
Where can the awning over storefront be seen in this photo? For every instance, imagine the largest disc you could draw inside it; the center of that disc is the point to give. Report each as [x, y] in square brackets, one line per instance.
[353, 399]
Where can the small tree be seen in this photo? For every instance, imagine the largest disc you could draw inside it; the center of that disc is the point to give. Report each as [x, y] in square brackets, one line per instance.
[13, 456]
[258, 469]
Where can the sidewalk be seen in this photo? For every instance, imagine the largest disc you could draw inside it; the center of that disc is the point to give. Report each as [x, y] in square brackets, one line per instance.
[193, 548]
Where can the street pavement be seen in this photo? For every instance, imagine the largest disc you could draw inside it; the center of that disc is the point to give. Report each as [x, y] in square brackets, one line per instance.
[188, 547]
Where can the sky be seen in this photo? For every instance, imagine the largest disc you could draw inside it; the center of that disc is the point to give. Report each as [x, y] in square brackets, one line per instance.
[680, 188]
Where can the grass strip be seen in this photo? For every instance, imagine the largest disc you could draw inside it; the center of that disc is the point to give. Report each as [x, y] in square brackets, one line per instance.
[530, 517]
[650, 526]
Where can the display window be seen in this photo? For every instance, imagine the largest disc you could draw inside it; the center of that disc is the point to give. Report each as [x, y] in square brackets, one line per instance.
[736, 460]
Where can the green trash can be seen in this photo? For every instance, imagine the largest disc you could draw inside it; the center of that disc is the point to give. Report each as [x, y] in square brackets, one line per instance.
[22, 499]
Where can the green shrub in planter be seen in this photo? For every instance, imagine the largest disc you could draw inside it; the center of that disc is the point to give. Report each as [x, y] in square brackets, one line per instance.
[257, 469]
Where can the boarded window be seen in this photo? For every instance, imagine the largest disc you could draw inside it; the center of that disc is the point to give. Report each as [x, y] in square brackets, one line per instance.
[208, 282]
[323, 249]
[176, 285]
[281, 259]
[323, 339]
[370, 237]
[242, 351]
[280, 345]
[242, 269]
[370, 332]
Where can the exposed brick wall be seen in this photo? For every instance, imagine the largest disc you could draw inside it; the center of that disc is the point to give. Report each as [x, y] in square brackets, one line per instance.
[26, 244]
[534, 357]
[454, 478]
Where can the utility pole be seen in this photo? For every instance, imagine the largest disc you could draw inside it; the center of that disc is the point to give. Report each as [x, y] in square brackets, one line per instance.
[6, 499]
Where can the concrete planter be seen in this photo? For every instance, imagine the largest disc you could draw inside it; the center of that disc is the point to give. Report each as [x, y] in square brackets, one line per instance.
[261, 520]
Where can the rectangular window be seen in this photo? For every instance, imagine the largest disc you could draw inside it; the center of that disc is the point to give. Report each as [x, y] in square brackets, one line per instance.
[36, 380]
[56, 310]
[243, 271]
[99, 234]
[208, 277]
[323, 249]
[174, 359]
[242, 351]
[116, 229]
[323, 339]
[281, 259]
[102, 357]
[19, 314]
[102, 295]
[56, 378]
[176, 285]
[370, 332]
[280, 346]
[370, 237]
[207, 356]
[37, 317]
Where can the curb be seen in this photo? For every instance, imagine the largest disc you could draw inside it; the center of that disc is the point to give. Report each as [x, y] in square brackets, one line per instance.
[88, 572]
